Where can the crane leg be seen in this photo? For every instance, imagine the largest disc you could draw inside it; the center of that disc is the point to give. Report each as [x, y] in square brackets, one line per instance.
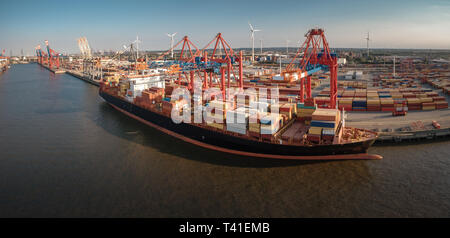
[302, 90]
[308, 86]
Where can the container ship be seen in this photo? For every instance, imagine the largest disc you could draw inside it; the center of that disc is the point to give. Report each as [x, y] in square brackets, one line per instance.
[242, 116]
[250, 127]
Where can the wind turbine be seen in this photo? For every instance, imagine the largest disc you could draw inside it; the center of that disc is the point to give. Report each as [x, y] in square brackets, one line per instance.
[287, 47]
[171, 43]
[252, 32]
[368, 39]
[261, 41]
[136, 42]
[394, 66]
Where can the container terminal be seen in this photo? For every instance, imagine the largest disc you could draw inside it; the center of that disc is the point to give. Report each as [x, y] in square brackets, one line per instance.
[403, 100]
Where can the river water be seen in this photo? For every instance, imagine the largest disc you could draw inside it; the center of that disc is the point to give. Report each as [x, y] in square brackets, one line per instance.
[66, 153]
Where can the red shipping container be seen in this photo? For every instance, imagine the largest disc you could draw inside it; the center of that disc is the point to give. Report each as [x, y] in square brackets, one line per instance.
[313, 138]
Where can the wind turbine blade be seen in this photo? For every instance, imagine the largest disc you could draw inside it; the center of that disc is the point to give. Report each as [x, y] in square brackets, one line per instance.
[251, 27]
[175, 33]
[256, 30]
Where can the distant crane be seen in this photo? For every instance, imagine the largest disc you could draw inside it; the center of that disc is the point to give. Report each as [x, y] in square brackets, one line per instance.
[252, 36]
[116, 55]
[84, 47]
[42, 56]
[53, 56]
[3, 55]
[37, 53]
[86, 53]
[171, 43]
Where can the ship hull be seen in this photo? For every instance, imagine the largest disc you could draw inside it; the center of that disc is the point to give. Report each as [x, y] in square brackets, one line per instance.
[216, 140]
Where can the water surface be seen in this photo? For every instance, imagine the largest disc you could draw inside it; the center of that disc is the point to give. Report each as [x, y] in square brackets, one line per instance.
[66, 153]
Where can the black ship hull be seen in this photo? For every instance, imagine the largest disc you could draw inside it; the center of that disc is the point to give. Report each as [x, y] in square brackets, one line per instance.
[216, 140]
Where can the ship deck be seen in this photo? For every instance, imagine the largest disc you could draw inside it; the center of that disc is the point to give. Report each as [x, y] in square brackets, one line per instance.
[354, 145]
[291, 133]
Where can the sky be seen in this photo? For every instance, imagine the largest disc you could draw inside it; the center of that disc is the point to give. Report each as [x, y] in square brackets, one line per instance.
[108, 25]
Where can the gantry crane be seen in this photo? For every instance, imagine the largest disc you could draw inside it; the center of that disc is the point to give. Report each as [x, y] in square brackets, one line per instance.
[38, 53]
[228, 60]
[185, 64]
[53, 59]
[42, 56]
[89, 62]
[192, 60]
[316, 56]
[84, 47]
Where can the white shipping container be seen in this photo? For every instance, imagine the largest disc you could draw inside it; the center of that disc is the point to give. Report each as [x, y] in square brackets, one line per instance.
[237, 129]
[260, 106]
[270, 124]
[237, 116]
[328, 132]
[278, 77]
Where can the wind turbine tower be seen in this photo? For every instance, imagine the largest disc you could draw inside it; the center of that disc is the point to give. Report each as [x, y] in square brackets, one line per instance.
[171, 43]
[287, 47]
[137, 41]
[368, 39]
[252, 32]
[261, 42]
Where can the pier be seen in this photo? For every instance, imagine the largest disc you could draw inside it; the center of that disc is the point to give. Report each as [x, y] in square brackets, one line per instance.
[413, 136]
[83, 77]
[55, 71]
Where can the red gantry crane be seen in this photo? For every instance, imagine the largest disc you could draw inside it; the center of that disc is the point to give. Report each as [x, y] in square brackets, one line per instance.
[314, 55]
[228, 59]
[41, 55]
[53, 56]
[192, 60]
[184, 61]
